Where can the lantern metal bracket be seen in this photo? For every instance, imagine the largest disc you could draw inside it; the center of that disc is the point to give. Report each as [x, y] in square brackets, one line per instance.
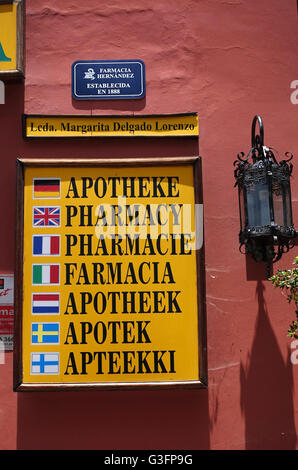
[262, 171]
[257, 140]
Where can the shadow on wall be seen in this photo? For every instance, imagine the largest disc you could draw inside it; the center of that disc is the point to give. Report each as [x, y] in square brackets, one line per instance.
[116, 420]
[267, 389]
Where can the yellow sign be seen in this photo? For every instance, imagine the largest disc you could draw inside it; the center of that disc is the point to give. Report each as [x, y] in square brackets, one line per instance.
[176, 125]
[109, 262]
[11, 31]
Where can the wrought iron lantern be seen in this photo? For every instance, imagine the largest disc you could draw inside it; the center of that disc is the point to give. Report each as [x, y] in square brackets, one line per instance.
[266, 223]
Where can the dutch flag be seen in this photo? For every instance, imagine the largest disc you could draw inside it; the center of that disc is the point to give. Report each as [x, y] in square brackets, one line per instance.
[46, 304]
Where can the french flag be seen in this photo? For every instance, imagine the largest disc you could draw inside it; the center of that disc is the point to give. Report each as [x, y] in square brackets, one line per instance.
[46, 245]
[46, 304]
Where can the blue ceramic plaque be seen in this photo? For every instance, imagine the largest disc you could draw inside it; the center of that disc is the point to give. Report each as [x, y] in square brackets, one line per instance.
[108, 79]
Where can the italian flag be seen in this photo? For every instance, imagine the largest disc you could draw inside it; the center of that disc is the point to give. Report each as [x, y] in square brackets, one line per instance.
[46, 274]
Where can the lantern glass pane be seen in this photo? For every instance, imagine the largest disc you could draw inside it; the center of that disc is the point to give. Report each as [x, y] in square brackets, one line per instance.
[282, 204]
[258, 205]
[287, 206]
[242, 208]
[278, 203]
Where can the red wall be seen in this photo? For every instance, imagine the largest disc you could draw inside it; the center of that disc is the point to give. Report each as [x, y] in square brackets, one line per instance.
[227, 61]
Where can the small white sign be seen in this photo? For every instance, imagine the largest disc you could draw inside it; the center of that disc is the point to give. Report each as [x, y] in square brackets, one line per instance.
[6, 289]
[6, 313]
[2, 92]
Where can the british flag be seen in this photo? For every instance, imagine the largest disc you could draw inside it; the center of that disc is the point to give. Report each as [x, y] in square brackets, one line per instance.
[46, 216]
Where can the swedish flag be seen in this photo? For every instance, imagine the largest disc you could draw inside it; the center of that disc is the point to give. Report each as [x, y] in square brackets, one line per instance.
[45, 333]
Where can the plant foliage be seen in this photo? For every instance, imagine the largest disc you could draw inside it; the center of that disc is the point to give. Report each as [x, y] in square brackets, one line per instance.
[288, 281]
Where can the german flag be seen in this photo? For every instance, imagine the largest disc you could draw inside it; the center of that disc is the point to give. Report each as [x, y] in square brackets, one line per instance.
[46, 188]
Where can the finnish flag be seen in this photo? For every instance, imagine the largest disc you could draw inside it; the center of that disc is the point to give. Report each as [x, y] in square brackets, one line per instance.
[46, 363]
